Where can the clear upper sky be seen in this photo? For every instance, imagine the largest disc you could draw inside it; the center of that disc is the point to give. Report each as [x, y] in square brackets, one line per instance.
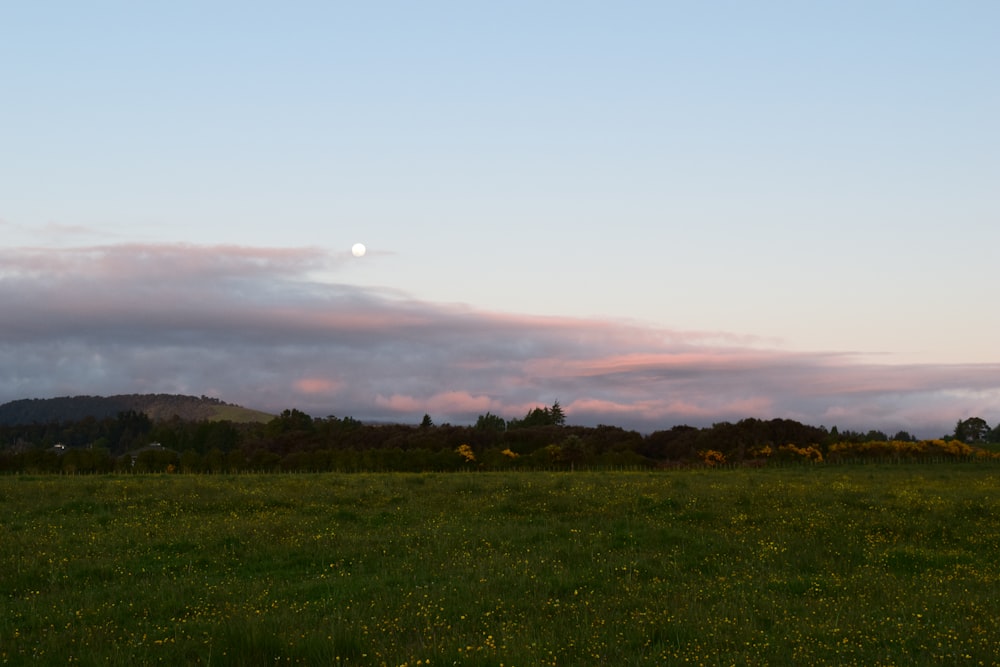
[811, 184]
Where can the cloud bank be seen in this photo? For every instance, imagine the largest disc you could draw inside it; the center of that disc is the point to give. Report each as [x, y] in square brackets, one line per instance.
[254, 326]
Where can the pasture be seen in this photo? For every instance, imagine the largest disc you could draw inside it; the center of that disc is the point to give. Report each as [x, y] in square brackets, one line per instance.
[818, 565]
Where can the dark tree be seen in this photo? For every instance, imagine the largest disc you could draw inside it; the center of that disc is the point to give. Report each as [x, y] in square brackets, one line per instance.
[556, 415]
[972, 430]
[491, 422]
[553, 416]
[676, 444]
[290, 421]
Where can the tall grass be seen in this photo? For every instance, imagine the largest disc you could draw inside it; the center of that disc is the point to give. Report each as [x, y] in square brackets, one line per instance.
[872, 565]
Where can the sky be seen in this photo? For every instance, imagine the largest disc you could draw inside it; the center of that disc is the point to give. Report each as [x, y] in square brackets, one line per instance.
[656, 213]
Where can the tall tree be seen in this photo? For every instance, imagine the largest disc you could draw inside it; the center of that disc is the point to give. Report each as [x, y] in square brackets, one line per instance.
[556, 415]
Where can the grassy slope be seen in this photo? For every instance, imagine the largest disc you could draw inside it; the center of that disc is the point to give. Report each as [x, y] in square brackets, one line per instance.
[165, 406]
[235, 413]
[864, 565]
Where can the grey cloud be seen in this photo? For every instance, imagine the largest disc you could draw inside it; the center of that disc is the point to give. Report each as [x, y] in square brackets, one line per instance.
[250, 326]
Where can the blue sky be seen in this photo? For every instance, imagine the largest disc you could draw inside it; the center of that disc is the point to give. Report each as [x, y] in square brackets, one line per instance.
[795, 180]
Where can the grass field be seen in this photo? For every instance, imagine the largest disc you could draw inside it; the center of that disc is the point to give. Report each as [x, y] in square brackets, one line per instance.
[848, 565]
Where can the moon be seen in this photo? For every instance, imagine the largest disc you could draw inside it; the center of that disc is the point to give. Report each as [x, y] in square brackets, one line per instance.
[358, 249]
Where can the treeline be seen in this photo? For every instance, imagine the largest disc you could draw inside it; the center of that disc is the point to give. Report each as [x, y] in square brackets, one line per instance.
[295, 441]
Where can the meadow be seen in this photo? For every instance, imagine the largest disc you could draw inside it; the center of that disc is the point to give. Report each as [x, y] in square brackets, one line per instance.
[819, 565]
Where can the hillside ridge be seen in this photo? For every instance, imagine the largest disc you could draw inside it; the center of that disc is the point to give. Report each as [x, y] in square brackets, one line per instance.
[158, 407]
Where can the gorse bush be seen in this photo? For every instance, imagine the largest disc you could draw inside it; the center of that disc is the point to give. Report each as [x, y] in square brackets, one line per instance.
[711, 457]
[794, 453]
[921, 449]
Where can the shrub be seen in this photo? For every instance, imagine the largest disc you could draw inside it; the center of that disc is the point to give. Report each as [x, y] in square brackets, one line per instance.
[712, 457]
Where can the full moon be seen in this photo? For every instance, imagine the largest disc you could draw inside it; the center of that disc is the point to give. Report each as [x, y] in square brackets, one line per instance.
[358, 250]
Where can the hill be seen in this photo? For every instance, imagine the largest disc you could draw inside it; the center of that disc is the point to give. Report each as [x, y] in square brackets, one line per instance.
[158, 407]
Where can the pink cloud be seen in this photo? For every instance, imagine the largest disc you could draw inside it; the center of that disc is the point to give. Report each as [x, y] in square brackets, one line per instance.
[315, 385]
[608, 407]
[718, 358]
[677, 408]
[447, 402]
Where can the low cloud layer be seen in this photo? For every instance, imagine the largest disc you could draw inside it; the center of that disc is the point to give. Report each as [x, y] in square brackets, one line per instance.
[251, 326]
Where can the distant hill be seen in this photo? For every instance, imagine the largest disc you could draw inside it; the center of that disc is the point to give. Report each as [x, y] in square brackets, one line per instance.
[157, 406]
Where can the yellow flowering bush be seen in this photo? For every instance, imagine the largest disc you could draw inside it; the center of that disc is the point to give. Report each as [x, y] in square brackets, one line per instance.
[904, 449]
[796, 453]
[466, 453]
[712, 457]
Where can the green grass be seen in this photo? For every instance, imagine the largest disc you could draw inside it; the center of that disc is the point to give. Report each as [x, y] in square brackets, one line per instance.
[867, 565]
